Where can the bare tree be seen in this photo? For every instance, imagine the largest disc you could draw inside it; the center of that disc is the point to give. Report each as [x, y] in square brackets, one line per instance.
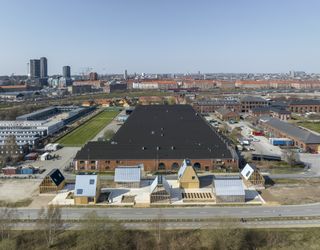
[158, 226]
[7, 217]
[50, 222]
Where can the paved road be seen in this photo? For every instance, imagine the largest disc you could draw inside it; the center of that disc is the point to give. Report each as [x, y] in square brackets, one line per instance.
[192, 224]
[184, 213]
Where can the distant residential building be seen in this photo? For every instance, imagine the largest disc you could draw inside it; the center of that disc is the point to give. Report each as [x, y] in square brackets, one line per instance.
[125, 75]
[80, 89]
[43, 67]
[93, 76]
[66, 71]
[34, 68]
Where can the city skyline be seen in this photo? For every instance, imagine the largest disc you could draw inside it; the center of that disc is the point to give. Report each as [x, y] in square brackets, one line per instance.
[160, 37]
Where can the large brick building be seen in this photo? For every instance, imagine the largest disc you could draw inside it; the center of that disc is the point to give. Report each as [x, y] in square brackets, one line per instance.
[160, 137]
[210, 106]
[304, 106]
[251, 102]
[301, 138]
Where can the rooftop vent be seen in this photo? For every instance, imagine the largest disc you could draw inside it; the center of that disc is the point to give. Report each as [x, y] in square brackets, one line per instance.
[143, 148]
[152, 132]
[162, 134]
[158, 148]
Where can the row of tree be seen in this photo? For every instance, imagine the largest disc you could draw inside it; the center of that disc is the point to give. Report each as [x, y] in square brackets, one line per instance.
[100, 233]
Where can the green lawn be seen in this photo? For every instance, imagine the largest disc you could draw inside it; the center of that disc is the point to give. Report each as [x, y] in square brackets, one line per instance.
[88, 130]
[315, 126]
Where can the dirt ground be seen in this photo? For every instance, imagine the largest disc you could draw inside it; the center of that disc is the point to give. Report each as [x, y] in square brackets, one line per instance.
[300, 192]
[16, 190]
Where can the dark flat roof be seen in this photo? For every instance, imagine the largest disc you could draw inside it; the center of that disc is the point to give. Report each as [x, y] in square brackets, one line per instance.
[160, 132]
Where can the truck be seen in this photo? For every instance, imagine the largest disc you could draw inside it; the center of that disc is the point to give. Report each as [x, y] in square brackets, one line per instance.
[281, 141]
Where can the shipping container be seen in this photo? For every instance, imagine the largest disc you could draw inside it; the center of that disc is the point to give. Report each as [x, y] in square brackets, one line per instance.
[281, 141]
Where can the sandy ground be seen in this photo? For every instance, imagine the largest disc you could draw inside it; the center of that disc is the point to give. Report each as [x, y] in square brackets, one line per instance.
[289, 194]
[17, 190]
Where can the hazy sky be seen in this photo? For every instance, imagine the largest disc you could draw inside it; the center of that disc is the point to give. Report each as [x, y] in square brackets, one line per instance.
[161, 35]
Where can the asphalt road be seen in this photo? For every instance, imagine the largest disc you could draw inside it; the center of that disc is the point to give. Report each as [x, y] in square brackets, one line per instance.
[191, 225]
[184, 213]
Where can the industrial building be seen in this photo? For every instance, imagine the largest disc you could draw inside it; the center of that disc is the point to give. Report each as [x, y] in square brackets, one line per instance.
[160, 137]
[304, 139]
[228, 189]
[128, 176]
[30, 128]
[87, 189]
[187, 176]
[53, 182]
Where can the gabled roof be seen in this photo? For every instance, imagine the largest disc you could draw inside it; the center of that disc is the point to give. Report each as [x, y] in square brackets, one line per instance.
[160, 180]
[183, 167]
[160, 132]
[229, 187]
[252, 99]
[56, 176]
[292, 130]
[127, 174]
[305, 102]
[247, 171]
[86, 185]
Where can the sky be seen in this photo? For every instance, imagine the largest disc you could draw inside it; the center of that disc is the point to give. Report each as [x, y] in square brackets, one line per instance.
[161, 36]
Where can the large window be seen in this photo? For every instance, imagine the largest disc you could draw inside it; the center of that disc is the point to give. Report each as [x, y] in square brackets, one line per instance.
[161, 166]
[197, 166]
[175, 166]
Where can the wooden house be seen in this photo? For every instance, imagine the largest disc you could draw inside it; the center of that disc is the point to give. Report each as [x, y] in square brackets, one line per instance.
[53, 182]
[251, 176]
[160, 190]
[187, 176]
[87, 189]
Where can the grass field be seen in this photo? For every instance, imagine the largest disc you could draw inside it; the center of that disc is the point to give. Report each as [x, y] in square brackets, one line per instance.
[315, 126]
[88, 130]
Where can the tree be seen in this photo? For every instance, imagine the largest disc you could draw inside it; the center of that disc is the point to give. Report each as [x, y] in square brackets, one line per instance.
[50, 222]
[107, 234]
[108, 134]
[228, 235]
[7, 216]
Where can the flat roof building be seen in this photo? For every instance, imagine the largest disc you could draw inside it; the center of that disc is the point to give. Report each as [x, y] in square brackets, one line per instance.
[160, 137]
